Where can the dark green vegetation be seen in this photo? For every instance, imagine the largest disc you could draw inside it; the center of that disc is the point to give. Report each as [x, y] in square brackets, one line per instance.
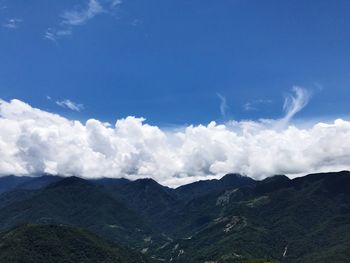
[77, 202]
[52, 243]
[235, 219]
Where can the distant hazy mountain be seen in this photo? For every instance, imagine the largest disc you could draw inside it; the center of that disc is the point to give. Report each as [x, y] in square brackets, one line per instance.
[233, 219]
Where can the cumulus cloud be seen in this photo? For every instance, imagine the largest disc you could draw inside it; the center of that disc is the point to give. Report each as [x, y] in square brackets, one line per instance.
[34, 141]
[79, 16]
[68, 104]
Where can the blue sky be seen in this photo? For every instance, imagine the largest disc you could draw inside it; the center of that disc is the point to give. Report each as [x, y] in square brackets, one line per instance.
[174, 62]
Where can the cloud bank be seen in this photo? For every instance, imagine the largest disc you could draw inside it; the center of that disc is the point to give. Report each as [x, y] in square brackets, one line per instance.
[35, 141]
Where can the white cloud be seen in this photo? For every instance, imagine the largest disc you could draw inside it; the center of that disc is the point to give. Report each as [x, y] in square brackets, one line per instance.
[254, 105]
[136, 22]
[54, 34]
[115, 2]
[68, 104]
[79, 16]
[12, 23]
[249, 106]
[33, 140]
[223, 105]
[294, 104]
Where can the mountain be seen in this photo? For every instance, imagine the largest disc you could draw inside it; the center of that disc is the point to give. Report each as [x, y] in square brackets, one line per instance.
[77, 202]
[234, 219]
[10, 182]
[302, 220]
[39, 182]
[110, 182]
[200, 188]
[147, 198]
[52, 243]
[163, 207]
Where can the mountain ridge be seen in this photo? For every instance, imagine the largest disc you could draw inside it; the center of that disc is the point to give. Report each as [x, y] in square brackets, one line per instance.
[232, 219]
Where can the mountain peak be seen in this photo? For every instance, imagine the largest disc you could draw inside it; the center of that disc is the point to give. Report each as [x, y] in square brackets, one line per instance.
[146, 182]
[71, 181]
[236, 180]
[234, 177]
[277, 177]
[273, 183]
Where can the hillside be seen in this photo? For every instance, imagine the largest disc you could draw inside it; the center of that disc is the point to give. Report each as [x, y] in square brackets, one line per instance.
[234, 219]
[52, 243]
[302, 220]
[77, 202]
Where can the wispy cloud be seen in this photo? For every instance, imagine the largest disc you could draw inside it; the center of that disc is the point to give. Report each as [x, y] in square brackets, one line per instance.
[223, 105]
[136, 22]
[115, 3]
[248, 106]
[53, 34]
[68, 104]
[293, 103]
[79, 16]
[12, 23]
[254, 105]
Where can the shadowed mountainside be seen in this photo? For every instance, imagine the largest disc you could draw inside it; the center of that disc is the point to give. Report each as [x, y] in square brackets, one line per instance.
[233, 219]
[52, 243]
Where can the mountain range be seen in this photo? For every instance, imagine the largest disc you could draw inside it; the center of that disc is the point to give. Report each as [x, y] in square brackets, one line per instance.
[234, 219]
